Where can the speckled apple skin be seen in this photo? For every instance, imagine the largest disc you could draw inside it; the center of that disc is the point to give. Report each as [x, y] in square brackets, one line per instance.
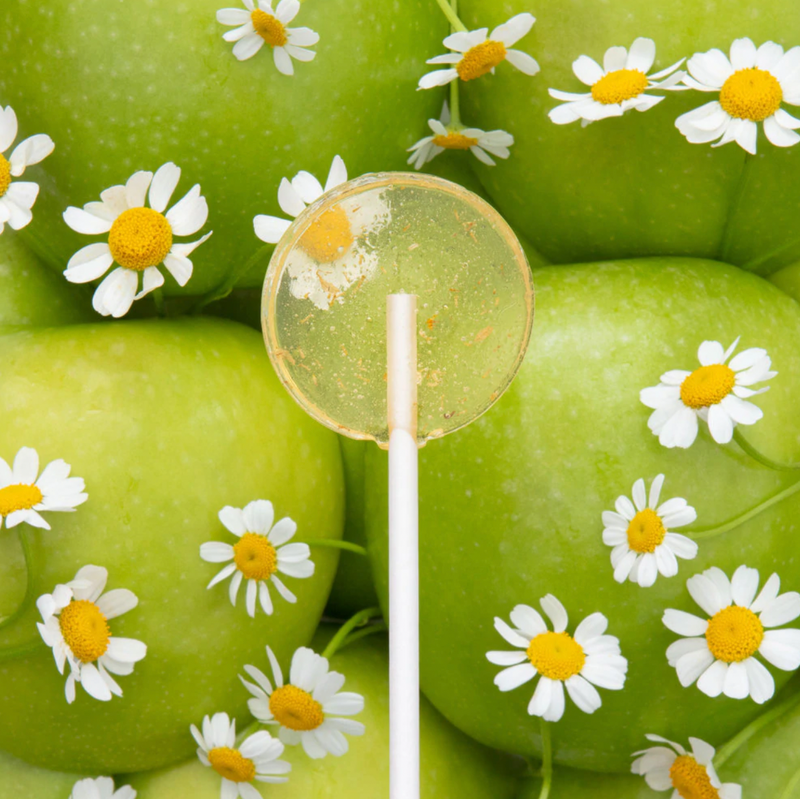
[452, 764]
[632, 186]
[123, 86]
[511, 506]
[167, 421]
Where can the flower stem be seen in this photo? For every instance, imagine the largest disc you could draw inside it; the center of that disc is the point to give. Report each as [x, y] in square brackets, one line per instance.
[359, 620]
[746, 516]
[379, 627]
[158, 299]
[733, 209]
[751, 265]
[547, 761]
[452, 17]
[455, 106]
[334, 544]
[27, 600]
[227, 286]
[763, 459]
[732, 746]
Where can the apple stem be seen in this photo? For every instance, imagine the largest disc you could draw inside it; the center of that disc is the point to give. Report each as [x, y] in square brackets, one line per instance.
[744, 517]
[452, 17]
[334, 544]
[763, 459]
[361, 618]
[547, 761]
[730, 748]
[27, 600]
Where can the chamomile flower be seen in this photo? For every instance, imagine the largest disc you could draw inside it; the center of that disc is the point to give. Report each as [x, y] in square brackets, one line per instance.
[256, 759]
[672, 767]
[641, 537]
[140, 238]
[25, 494]
[560, 660]
[75, 625]
[445, 137]
[18, 197]
[332, 254]
[716, 392]
[474, 53]
[101, 788]
[719, 652]
[256, 26]
[308, 707]
[259, 554]
[752, 84]
[620, 85]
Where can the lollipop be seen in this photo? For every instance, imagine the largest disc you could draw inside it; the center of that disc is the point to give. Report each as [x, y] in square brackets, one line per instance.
[398, 308]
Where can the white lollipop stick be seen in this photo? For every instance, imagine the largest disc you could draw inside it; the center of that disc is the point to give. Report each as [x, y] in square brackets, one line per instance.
[401, 343]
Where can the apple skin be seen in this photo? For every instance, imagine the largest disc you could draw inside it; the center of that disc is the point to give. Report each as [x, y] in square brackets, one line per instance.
[132, 86]
[167, 421]
[510, 507]
[31, 295]
[631, 186]
[18, 779]
[452, 764]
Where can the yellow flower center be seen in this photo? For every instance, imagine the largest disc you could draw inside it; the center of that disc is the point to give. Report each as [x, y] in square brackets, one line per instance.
[619, 85]
[479, 60]
[751, 94]
[691, 780]
[708, 385]
[734, 634]
[556, 655]
[5, 175]
[269, 28]
[139, 238]
[295, 708]
[255, 557]
[646, 531]
[85, 630]
[454, 141]
[230, 764]
[329, 236]
[18, 497]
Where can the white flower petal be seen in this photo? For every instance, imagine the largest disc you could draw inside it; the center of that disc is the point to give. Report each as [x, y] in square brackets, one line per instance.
[642, 55]
[164, 183]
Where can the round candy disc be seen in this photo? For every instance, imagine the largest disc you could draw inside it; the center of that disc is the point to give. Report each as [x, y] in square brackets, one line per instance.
[324, 304]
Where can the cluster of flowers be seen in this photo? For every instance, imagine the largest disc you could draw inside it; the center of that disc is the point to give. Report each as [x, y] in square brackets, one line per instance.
[718, 653]
[308, 709]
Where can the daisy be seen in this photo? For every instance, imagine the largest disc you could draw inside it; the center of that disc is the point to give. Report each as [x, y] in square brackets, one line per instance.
[256, 758]
[306, 709]
[720, 651]
[23, 494]
[716, 393]
[140, 239]
[17, 198]
[475, 140]
[578, 663]
[101, 788]
[640, 533]
[752, 84]
[671, 766]
[255, 27]
[258, 555]
[475, 53]
[76, 617]
[620, 85]
[332, 254]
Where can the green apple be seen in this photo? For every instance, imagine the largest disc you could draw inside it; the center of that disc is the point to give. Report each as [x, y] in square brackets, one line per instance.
[135, 85]
[632, 186]
[510, 507]
[31, 295]
[167, 422]
[353, 588]
[452, 764]
[17, 778]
